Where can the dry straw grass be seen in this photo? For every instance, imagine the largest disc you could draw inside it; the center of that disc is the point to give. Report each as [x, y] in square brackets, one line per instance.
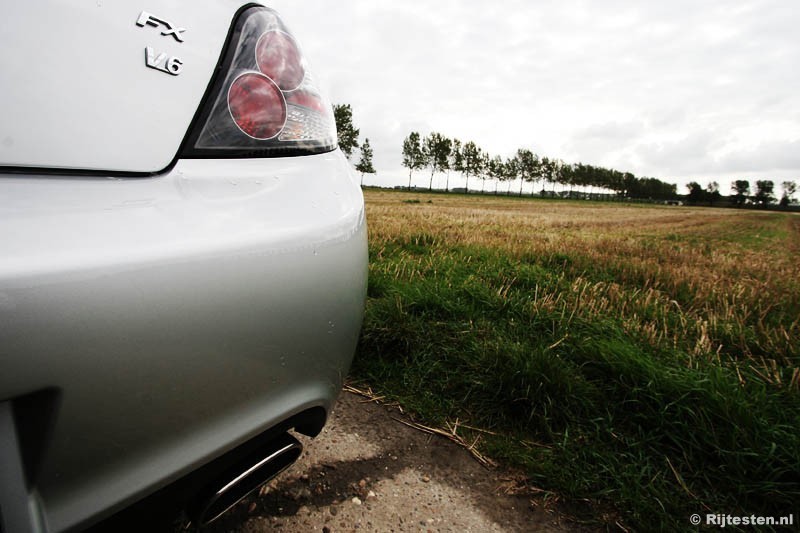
[721, 285]
[644, 358]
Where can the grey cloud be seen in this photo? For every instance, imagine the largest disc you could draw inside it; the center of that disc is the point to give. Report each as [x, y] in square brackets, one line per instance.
[669, 88]
[690, 154]
[611, 130]
[767, 157]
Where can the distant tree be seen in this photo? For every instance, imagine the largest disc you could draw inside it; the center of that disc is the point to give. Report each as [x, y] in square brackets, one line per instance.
[436, 149]
[365, 163]
[579, 179]
[510, 171]
[527, 167]
[483, 170]
[552, 169]
[740, 190]
[712, 190]
[618, 181]
[629, 183]
[455, 161]
[545, 172]
[696, 193]
[655, 189]
[568, 177]
[789, 189]
[560, 174]
[413, 156]
[346, 132]
[666, 191]
[540, 171]
[471, 161]
[493, 169]
[596, 177]
[764, 192]
[588, 184]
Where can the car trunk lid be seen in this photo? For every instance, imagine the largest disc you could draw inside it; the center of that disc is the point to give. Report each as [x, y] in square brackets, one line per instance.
[105, 86]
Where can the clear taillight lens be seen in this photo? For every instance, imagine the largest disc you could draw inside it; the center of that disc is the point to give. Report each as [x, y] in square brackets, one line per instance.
[265, 102]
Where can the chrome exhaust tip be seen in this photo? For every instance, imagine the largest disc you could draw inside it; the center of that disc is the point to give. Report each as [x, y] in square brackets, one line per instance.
[250, 474]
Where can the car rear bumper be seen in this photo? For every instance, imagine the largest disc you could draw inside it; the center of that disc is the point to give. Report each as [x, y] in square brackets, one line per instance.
[174, 317]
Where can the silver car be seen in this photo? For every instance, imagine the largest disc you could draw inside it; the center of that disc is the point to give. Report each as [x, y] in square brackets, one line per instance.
[183, 257]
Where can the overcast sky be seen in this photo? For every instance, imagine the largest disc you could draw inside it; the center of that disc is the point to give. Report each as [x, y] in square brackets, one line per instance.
[676, 90]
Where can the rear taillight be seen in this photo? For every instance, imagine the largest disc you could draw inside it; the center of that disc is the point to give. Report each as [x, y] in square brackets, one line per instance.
[278, 57]
[265, 102]
[257, 106]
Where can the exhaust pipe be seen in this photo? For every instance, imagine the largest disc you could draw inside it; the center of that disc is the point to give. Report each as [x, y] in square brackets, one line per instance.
[248, 475]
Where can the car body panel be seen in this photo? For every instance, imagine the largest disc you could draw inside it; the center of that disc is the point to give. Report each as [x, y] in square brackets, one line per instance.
[177, 315]
[78, 95]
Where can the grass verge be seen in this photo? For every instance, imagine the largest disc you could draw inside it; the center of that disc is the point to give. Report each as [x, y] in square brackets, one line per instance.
[636, 358]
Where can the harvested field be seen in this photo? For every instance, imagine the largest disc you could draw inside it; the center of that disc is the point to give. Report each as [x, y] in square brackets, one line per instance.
[641, 358]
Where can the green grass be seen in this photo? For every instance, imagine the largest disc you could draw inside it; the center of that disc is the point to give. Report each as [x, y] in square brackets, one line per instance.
[586, 369]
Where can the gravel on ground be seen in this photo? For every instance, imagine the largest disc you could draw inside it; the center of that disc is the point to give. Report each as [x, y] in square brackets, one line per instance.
[368, 472]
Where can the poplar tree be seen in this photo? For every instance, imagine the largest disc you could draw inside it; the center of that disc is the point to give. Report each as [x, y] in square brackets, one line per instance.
[346, 133]
[413, 156]
[365, 163]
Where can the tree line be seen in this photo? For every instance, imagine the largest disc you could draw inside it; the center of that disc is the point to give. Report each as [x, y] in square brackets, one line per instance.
[763, 196]
[439, 153]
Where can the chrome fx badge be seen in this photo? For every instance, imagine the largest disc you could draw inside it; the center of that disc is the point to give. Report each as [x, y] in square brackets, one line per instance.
[160, 60]
[152, 20]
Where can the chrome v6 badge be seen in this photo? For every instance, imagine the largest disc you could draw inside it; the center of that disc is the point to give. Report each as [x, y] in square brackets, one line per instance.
[162, 62]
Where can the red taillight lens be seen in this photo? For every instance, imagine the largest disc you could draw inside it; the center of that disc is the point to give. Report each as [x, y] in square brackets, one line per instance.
[306, 99]
[277, 56]
[266, 101]
[257, 106]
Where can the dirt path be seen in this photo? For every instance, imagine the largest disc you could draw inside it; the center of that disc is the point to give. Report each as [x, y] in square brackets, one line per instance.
[368, 472]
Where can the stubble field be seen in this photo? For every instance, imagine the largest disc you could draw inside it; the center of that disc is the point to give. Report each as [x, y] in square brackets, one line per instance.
[639, 363]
